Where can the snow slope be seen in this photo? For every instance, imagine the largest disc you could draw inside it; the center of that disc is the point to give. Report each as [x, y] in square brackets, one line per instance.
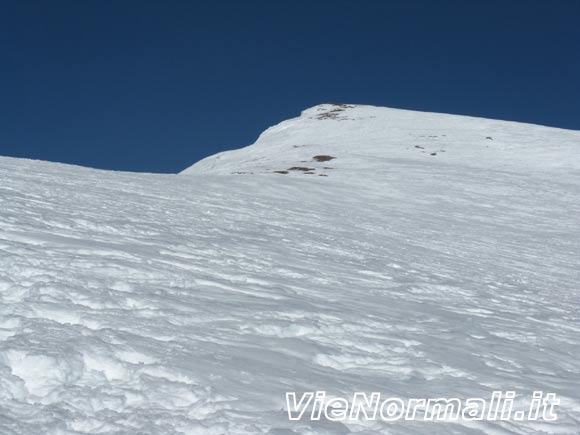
[368, 139]
[189, 304]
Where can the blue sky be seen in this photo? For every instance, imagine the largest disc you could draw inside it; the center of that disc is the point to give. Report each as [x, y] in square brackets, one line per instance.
[157, 85]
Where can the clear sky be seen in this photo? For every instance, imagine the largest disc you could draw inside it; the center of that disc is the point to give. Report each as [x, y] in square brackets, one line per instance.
[157, 85]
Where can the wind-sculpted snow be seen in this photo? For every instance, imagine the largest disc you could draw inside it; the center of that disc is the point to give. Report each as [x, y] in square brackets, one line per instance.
[154, 304]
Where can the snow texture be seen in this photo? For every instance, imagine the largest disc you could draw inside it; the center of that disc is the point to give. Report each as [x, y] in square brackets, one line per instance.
[438, 256]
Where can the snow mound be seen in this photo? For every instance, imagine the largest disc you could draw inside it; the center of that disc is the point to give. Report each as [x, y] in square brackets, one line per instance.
[346, 139]
[169, 305]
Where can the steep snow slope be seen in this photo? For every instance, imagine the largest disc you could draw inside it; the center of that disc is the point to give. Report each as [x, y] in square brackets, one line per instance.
[155, 304]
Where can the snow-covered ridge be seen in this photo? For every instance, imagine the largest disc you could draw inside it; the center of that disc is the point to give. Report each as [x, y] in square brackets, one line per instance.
[367, 138]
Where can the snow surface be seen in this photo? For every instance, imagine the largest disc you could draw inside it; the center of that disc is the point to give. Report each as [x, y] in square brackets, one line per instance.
[190, 304]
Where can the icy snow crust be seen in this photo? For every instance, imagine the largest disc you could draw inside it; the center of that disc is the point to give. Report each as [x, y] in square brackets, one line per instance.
[154, 304]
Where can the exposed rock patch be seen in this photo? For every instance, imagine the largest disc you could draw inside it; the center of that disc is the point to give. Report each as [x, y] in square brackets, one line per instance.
[323, 158]
[301, 168]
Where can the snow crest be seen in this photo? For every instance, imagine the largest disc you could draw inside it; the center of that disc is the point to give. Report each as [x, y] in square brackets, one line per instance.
[367, 138]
